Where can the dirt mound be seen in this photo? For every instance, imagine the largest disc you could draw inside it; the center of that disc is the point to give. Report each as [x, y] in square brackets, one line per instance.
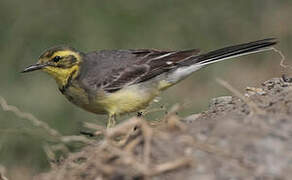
[248, 138]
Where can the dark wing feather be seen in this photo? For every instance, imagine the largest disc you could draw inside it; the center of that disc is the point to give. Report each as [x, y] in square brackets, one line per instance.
[163, 62]
[120, 68]
[123, 77]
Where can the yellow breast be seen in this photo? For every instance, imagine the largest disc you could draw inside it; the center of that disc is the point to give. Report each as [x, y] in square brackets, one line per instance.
[126, 100]
[129, 99]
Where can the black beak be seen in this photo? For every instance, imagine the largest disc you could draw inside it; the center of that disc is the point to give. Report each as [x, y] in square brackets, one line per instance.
[33, 67]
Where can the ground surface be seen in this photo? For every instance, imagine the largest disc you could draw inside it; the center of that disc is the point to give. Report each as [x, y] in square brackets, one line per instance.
[248, 138]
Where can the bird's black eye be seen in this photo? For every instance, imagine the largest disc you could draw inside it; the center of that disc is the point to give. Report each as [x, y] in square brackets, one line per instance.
[56, 58]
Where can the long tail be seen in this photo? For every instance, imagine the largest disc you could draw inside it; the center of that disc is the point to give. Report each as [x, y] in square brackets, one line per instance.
[231, 52]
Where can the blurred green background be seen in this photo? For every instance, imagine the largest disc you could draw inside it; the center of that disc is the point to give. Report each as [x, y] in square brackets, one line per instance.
[28, 27]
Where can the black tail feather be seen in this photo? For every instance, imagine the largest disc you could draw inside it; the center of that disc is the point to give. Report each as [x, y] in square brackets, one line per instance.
[231, 51]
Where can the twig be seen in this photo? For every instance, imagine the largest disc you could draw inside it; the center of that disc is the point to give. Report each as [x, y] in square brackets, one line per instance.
[36, 122]
[2, 177]
[282, 58]
[253, 107]
[99, 130]
[123, 128]
[2, 171]
[93, 126]
[169, 166]
[130, 146]
[50, 154]
[83, 139]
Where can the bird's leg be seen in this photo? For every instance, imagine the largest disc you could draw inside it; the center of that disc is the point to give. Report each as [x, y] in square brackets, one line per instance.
[111, 121]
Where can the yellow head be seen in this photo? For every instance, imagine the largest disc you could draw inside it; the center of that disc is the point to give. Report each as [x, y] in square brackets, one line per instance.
[59, 62]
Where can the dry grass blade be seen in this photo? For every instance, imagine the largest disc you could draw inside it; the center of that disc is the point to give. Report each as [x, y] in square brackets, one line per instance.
[83, 139]
[2, 177]
[99, 130]
[36, 122]
[50, 154]
[169, 166]
[130, 146]
[2, 172]
[25, 115]
[123, 128]
[282, 64]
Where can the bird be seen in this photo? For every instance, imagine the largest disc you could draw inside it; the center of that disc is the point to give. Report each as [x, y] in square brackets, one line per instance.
[116, 82]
